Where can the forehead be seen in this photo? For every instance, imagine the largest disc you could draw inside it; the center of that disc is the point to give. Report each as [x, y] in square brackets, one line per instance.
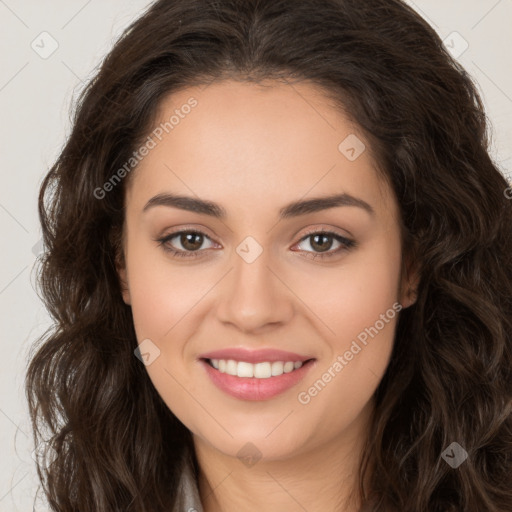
[271, 141]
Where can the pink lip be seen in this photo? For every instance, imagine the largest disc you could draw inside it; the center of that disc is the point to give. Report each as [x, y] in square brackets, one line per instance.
[251, 388]
[254, 356]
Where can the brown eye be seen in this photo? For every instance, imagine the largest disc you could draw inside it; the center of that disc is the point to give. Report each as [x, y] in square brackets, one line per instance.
[186, 243]
[322, 241]
[191, 241]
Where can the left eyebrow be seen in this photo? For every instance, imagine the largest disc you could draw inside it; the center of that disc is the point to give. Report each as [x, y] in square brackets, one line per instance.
[323, 203]
[294, 209]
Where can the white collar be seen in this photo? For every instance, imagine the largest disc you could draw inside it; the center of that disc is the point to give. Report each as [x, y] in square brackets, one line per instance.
[188, 499]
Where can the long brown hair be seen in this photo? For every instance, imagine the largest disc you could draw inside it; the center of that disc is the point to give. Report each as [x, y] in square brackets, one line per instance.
[115, 444]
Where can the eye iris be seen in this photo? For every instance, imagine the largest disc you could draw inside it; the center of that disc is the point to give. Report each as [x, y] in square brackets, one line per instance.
[187, 241]
[321, 247]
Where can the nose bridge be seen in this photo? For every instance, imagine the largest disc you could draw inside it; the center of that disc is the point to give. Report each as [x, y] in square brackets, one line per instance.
[254, 296]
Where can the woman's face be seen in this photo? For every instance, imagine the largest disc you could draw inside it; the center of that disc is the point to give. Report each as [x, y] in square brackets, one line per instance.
[257, 277]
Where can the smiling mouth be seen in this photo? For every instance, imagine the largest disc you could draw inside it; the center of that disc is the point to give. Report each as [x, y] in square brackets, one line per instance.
[262, 370]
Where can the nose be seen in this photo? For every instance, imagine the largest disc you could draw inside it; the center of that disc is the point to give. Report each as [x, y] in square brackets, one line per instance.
[254, 297]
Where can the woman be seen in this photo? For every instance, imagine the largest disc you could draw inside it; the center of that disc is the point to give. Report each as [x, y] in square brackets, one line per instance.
[278, 260]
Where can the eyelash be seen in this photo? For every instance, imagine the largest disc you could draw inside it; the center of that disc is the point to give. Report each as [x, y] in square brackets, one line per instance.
[347, 244]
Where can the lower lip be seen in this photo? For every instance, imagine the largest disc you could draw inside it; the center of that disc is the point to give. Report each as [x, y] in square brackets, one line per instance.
[251, 388]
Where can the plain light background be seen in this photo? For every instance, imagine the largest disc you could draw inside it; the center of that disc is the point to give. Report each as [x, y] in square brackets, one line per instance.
[36, 95]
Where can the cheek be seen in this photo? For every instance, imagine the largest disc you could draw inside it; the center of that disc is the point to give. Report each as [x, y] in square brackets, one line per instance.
[358, 307]
[350, 296]
[163, 297]
[161, 293]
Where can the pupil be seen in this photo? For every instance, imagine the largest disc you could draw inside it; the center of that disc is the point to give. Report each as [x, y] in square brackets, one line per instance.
[187, 241]
[322, 247]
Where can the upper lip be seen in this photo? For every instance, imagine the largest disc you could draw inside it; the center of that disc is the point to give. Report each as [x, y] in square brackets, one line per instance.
[254, 356]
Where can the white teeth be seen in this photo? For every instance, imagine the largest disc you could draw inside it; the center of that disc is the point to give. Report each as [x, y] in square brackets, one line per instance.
[243, 369]
[288, 367]
[231, 367]
[259, 370]
[277, 368]
[262, 370]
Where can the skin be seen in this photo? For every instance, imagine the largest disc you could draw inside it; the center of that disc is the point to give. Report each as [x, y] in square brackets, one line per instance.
[253, 149]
